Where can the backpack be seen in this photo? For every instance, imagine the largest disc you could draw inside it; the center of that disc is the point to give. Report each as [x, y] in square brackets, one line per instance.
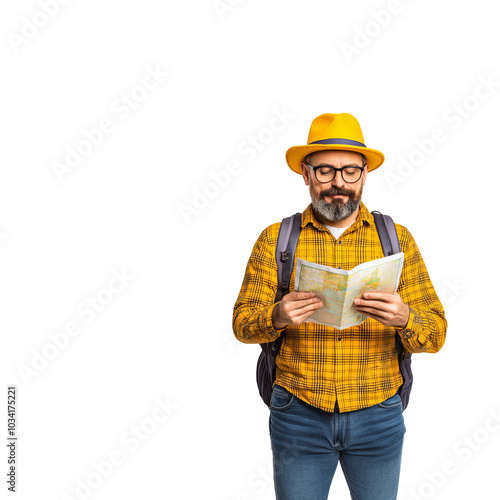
[285, 255]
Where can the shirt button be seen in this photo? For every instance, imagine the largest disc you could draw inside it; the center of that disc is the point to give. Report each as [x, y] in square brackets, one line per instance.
[340, 242]
[340, 338]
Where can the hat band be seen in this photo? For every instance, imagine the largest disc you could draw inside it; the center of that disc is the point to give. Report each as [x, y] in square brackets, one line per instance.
[346, 142]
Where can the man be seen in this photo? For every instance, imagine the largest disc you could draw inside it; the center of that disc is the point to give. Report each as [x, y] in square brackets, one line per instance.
[335, 397]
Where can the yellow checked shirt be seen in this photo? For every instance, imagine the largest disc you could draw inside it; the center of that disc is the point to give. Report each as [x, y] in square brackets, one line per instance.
[357, 366]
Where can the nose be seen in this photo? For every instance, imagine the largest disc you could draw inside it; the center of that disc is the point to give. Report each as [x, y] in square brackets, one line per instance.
[337, 180]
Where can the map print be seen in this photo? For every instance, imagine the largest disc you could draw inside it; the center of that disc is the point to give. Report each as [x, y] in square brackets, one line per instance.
[338, 288]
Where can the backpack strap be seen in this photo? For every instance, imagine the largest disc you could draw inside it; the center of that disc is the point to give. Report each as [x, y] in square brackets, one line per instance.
[285, 252]
[288, 237]
[387, 233]
[390, 245]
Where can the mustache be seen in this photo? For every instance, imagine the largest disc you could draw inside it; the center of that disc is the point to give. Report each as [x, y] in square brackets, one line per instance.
[336, 190]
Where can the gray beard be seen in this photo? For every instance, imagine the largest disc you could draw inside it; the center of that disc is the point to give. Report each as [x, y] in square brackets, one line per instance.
[336, 211]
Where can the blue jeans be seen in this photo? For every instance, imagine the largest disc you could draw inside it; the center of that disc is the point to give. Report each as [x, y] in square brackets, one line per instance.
[308, 442]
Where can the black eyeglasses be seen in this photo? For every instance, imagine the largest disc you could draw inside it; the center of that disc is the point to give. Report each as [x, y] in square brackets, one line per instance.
[326, 173]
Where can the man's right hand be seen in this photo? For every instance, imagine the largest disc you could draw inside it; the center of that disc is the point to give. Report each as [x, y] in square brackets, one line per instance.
[295, 308]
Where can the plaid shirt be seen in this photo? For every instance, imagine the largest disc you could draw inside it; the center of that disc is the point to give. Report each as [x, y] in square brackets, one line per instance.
[357, 366]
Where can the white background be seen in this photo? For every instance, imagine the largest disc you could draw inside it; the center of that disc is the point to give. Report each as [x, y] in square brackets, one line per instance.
[129, 207]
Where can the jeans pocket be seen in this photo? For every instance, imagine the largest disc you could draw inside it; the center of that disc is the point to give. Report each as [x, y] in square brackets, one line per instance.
[281, 399]
[392, 402]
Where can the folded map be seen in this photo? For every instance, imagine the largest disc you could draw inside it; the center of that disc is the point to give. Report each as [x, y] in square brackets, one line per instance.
[338, 288]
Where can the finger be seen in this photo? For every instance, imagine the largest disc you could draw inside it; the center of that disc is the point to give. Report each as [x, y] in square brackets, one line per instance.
[298, 304]
[301, 295]
[381, 296]
[381, 307]
[380, 319]
[371, 310]
[298, 311]
[375, 304]
[303, 317]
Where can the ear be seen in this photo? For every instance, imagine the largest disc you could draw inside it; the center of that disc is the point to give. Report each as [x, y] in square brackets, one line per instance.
[305, 173]
[365, 173]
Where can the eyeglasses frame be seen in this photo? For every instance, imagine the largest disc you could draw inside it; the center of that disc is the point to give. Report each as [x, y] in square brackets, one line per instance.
[341, 170]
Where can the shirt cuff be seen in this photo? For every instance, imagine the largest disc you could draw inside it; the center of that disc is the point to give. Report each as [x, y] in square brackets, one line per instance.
[266, 324]
[413, 333]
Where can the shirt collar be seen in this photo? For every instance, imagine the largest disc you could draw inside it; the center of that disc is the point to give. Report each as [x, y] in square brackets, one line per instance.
[364, 218]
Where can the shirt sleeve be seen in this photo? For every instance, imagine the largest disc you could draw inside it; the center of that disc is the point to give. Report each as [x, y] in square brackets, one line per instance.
[426, 327]
[252, 314]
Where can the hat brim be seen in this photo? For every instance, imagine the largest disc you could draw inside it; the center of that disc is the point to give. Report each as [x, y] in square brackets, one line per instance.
[296, 154]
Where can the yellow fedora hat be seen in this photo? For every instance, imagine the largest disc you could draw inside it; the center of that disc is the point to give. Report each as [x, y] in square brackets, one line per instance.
[334, 131]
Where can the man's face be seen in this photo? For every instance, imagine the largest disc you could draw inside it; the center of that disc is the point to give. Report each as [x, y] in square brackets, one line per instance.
[336, 200]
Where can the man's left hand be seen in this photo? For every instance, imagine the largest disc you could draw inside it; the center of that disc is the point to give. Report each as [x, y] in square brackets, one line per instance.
[388, 308]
